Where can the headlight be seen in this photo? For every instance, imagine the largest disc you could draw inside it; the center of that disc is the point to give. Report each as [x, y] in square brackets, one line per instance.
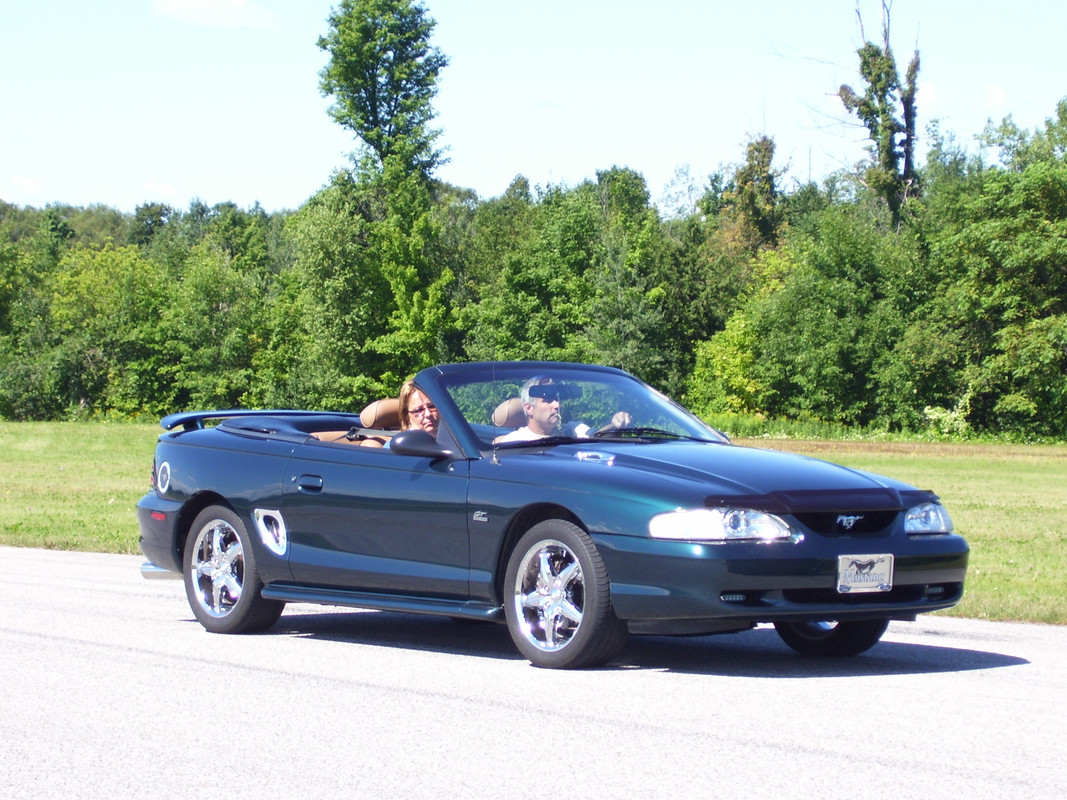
[718, 525]
[928, 518]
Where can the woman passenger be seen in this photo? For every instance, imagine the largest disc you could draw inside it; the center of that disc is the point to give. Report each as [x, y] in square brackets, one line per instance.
[417, 411]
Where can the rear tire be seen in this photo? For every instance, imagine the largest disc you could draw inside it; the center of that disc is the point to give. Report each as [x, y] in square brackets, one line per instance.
[832, 638]
[558, 599]
[221, 582]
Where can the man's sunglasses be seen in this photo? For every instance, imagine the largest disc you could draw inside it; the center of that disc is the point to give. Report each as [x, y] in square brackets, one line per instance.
[551, 392]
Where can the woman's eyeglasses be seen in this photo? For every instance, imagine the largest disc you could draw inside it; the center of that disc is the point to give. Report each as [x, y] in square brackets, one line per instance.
[422, 410]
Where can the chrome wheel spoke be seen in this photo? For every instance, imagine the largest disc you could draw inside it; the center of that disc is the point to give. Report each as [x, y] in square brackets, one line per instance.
[217, 546]
[534, 599]
[232, 587]
[231, 554]
[216, 596]
[570, 611]
[545, 574]
[572, 573]
[550, 625]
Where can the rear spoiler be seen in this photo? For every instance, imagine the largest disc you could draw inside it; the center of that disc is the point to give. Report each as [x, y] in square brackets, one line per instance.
[194, 420]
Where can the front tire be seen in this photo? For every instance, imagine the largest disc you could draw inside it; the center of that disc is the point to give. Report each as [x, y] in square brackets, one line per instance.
[558, 599]
[832, 638]
[221, 581]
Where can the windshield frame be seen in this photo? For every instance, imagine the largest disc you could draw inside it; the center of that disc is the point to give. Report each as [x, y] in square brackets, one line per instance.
[468, 394]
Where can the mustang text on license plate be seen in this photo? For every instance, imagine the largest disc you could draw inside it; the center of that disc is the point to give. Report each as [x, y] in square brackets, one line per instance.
[865, 573]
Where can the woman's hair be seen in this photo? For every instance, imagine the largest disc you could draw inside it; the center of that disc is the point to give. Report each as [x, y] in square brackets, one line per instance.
[408, 389]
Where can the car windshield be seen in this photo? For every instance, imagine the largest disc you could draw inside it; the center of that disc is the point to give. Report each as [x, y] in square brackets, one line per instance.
[589, 404]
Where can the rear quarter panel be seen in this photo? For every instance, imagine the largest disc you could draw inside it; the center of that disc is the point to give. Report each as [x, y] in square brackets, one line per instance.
[243, 472]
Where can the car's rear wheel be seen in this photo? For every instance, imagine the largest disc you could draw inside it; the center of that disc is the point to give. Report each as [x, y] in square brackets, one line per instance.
[832, 638]
[558, 599]
[221, 581]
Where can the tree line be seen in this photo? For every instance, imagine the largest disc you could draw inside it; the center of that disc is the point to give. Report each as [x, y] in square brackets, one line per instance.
[894, 296]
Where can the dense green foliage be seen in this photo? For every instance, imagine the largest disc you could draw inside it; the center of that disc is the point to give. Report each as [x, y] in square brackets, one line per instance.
[929, 299]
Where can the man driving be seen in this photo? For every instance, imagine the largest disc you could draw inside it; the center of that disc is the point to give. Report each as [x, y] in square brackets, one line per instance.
[542, 404]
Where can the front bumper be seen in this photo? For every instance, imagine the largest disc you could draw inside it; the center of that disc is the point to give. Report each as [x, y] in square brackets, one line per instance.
[687, 587]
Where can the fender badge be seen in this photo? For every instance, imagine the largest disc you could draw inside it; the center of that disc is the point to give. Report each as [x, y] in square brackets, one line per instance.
[481, 516]
[163, 477]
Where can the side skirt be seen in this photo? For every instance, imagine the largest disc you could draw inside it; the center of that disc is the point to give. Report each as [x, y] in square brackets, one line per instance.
[292, 593]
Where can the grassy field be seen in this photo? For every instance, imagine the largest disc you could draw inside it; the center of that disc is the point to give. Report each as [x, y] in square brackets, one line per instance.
[73, 486]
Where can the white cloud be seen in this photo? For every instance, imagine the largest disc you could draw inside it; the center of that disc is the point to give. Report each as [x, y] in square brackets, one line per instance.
[217, 13]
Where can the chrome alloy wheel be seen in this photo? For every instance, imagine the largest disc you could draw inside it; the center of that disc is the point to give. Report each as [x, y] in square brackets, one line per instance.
[549, 595]
[218, 568]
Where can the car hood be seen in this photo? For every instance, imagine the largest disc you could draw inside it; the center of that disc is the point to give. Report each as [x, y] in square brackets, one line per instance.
[764, 479]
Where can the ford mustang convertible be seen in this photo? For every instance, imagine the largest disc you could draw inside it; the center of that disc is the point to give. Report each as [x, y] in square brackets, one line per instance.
[573, 503]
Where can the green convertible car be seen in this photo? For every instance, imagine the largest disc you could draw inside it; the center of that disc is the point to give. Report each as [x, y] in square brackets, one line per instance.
[573, 503]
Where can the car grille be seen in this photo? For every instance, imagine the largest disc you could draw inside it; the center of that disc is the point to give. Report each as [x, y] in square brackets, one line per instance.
[848, 523]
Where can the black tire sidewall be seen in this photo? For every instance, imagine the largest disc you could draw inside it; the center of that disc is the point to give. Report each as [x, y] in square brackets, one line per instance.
[847, 638]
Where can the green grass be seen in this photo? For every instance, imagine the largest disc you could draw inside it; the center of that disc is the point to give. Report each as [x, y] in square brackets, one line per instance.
[73, 486]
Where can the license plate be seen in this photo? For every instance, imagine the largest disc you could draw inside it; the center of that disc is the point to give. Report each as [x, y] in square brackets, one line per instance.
[865, 573]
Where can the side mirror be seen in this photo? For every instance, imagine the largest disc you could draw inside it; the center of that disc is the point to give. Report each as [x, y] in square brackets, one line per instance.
[418, 442]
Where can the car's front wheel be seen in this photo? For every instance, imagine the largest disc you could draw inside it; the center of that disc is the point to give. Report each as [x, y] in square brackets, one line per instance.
[221, 581]
[832, 638]
[558, 599]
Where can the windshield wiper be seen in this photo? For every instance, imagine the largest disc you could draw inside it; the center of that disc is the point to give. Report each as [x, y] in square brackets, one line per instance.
[643, 433]
[549, 440]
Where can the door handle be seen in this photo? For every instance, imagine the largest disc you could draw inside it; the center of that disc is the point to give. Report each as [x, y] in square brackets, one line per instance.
[309, 483]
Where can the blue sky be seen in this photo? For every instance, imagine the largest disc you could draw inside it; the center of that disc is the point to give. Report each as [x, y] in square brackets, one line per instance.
[123, 102]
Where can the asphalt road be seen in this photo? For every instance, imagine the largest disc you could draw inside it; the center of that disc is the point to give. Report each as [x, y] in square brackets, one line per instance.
[109, 689]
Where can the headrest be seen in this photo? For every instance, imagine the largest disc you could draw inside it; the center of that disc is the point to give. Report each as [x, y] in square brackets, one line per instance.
[381, 414]
[509, 414]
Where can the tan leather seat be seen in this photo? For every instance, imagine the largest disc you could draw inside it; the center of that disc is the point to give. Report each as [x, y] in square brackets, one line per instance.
[381, 414]
[509, 414]
[338, 437]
